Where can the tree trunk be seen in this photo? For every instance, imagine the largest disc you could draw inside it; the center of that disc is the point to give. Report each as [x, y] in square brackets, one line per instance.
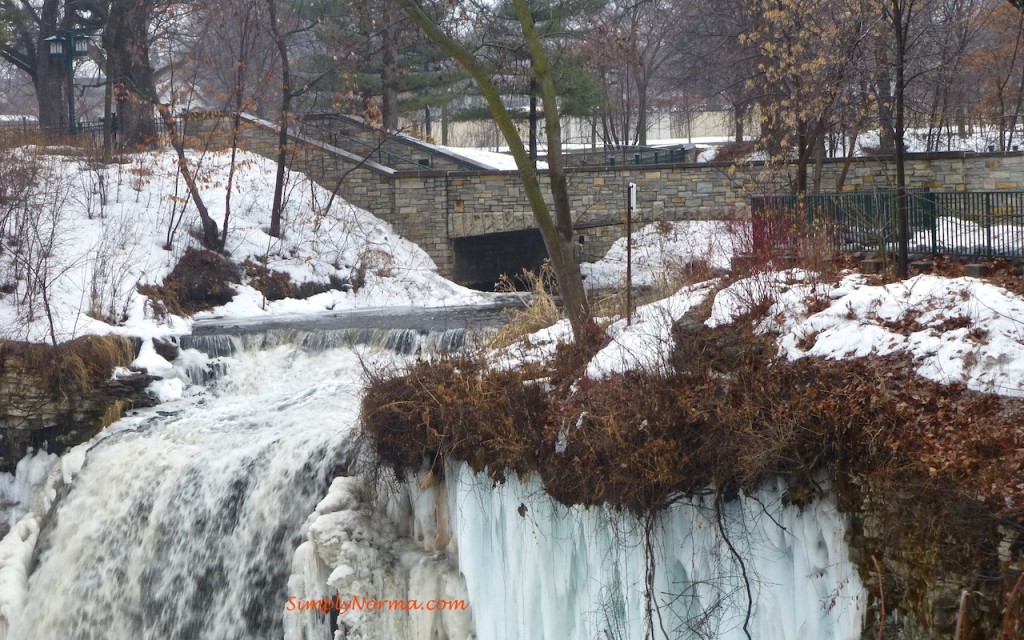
[276, 209]
[902, 207]
[641, 109]
[886, 143]
[51, 95]
[127, 45]
[211, 239]
[51, 73]
[557, 232]
[389, 69]
[560, 244]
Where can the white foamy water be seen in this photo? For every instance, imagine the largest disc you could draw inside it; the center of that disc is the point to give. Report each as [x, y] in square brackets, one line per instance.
[183, 526]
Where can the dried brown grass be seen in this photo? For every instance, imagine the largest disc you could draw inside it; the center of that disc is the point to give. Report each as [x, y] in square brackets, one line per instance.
[71, 367]
[539, 308]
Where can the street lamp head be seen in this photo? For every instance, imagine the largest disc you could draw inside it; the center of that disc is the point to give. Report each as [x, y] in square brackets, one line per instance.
[56, 45]
[81, 46]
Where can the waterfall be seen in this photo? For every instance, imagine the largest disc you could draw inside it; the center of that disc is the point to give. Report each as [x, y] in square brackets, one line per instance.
[403, 341]
[204, 517]
[183, 520]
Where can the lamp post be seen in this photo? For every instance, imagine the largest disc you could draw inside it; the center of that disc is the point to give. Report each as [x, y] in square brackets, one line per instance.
[69, 44]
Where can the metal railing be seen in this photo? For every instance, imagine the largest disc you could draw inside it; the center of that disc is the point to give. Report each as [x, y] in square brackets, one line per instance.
[88, 130]
[640, 155]
[960, 223]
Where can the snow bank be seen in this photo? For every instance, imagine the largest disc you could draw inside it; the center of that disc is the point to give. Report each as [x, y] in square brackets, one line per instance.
[662, 252]
[646, 343]
[110, 226]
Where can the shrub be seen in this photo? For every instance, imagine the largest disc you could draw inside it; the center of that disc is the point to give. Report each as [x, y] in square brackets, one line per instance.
[277, 285]
[201, 280]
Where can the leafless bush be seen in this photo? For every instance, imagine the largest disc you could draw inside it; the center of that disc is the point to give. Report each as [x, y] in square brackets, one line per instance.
[113, 277]
[37, 232]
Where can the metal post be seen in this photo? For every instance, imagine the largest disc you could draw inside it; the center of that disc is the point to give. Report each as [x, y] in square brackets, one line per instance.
[630, 205]
[69, 57]
[988, 224]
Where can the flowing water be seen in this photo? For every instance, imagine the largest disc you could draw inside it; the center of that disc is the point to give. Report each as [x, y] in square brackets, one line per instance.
[183, 520]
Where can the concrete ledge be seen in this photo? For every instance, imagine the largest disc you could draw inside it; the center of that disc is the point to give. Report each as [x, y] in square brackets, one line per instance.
[976, 270]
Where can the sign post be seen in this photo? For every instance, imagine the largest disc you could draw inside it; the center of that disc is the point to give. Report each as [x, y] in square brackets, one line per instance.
[630, 206]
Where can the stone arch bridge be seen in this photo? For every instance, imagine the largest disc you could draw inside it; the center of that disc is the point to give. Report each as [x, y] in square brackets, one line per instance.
[476, 223]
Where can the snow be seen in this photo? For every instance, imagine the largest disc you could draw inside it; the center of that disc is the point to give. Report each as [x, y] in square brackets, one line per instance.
[110, 224]
[663, 251]
[962, 329]
[966, 237]
[489, 159]
[916, 140]
[647, 343]
[957, 330]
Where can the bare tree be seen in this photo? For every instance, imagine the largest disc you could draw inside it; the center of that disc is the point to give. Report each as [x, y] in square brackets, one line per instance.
[557, 231]
[631, 44]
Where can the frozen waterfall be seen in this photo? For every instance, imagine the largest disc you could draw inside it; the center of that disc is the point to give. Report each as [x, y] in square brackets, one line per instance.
[201, 519]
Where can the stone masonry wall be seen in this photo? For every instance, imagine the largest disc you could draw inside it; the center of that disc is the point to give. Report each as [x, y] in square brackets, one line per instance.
[431, 207]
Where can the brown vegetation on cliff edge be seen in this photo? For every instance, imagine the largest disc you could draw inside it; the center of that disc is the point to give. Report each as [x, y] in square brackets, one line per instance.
[932, 471]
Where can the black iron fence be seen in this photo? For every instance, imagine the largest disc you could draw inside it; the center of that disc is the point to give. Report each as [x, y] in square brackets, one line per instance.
[962, 223]
[89, 131]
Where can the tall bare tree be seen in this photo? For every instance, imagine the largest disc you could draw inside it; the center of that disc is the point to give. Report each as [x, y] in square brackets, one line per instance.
[556, 230]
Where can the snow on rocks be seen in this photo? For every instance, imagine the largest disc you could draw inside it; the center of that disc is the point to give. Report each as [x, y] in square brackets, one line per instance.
[647, 343]
[958, 330]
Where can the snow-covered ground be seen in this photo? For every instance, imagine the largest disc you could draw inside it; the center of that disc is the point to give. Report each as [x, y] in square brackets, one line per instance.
[959, 330]
[664, 251]
[106, 229]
